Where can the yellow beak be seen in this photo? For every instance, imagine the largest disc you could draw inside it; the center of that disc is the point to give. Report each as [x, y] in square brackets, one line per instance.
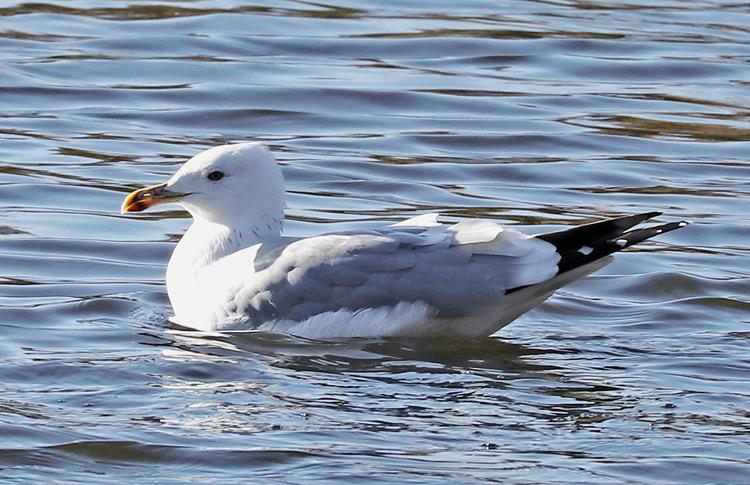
[142, 199]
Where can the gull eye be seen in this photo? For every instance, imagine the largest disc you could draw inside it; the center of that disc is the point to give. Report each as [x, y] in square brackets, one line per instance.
[215, 176]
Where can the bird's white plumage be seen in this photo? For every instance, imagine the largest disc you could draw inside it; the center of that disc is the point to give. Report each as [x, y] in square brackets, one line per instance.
[234, 270]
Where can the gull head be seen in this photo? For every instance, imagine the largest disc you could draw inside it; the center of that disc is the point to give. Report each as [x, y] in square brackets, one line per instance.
[239, 186]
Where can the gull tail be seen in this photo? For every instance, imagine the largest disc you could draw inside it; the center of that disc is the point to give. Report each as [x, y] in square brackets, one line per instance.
[581, 245]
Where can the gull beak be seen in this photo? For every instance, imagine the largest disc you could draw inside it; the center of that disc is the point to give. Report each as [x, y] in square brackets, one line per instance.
[142, 199]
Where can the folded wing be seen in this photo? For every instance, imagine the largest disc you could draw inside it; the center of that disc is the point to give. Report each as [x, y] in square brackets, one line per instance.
[456, 270]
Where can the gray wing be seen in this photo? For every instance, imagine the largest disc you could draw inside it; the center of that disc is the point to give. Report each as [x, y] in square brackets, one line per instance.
[457, 270]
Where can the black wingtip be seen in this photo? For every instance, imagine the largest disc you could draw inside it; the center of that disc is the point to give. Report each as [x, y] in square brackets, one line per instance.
[589, 234]
[635, 236]
[584, 244]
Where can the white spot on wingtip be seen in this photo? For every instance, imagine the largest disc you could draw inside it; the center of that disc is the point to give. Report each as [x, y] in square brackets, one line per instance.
[622, 242]
[586, 250]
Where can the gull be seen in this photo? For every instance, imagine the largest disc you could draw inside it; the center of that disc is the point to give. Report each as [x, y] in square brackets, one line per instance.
[233, 269]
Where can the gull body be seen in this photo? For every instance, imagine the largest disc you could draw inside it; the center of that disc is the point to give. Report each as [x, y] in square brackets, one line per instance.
[233, 269]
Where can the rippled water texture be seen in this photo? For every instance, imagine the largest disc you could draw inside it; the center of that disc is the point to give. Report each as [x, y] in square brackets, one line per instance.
[537, 114]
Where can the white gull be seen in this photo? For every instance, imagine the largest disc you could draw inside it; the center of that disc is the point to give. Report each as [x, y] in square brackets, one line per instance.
[234, 270]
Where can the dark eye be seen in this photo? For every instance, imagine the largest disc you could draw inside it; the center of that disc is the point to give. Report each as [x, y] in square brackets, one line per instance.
[216, 175]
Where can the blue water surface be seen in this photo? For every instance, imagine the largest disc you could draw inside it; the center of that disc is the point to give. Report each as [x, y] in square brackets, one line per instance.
[536, 114]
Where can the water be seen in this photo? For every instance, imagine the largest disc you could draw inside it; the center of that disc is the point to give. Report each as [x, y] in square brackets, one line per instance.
[536, 114]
